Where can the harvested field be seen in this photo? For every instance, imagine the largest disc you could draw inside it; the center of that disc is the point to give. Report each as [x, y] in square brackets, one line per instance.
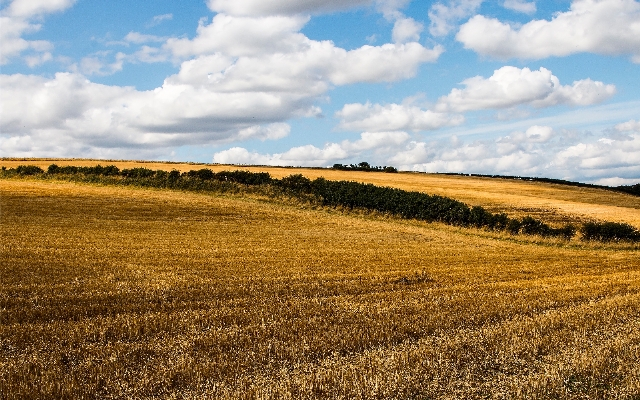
[552, 203]
[114, 292]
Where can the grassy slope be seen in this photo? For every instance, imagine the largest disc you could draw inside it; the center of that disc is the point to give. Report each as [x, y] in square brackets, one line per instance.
[548, 202]
[116, 292]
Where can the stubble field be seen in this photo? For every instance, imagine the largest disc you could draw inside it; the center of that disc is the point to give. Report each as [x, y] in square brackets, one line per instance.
[111, 292]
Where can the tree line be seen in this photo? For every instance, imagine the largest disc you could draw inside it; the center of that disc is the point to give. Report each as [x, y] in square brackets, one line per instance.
[345, 194]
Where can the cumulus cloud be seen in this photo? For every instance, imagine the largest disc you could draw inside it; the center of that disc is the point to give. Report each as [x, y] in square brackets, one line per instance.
[275, 42]
[243, 36]
[386, 63]
[308, 155]
[610, 27]
[231, 86]
[139, 38]
[393, 117]
[99, 64]
[406, 30]
[512, 86]
[604, 158]
[527, 7]
[282, 7]
[632, 125]
[311, 155]
[31, 8]
[20, 18]
[537, 151]
[158, 19]
[445, 17]
[72, 108]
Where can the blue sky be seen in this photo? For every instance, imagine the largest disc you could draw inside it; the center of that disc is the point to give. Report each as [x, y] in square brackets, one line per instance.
[514, 87]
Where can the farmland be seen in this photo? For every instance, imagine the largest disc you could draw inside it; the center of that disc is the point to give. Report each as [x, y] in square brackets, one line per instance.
[117, 292]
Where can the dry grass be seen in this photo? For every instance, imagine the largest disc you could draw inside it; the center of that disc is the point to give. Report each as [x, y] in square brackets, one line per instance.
[556, 204]
[120, 292]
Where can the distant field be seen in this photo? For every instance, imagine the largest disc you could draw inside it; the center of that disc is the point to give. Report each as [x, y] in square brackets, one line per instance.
[549, 202]
[120, 292]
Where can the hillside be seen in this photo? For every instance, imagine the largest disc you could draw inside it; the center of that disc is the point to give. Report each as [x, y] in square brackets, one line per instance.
[129, 292]
[547, 201]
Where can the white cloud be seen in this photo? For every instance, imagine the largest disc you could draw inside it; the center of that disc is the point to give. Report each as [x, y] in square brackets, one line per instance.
[274, 42]
[71, 108]
[310, 155]
[376, 140]
[598, 159]
[444, 18]
[37, 59]
[273, 131]
[31, 8]
[386, 63]
[631, 125]
[158, 19]
[139, 38]
[393, 117]
[406, 30]
[282, 7]
[97, 64]
[526, 7]
[243, 36]
[17, 20]
[512, 86]
[610, 27]
[537, 151]
[298, 156]
[236, 88]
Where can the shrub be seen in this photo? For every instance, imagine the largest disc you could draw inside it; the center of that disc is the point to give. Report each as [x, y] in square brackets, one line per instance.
[296, 183]
[567, 232]
[532, 226]
[513, 226]
[479, 217]
[609, 231]
[204, 174]
[29, 170]
[174, 175]
[244, 177]
[499, 222]
[138, 173]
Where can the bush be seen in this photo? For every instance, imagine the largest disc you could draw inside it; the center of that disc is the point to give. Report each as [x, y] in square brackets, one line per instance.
[244, 177]
[296, 183]
[109, 170]
[513, 226]
[531, 226]
[609, 231]
[567, 232]
[174, 175]
[29, 170]
[138, 173]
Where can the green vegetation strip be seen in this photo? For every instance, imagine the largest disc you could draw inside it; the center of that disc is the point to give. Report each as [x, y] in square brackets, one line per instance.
[347, 194]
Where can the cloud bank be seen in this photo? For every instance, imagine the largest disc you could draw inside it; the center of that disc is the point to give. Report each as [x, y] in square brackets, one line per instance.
[608, 27]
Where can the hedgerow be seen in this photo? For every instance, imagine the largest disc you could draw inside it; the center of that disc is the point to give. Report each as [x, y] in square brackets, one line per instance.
[609, 232]
[345, 194]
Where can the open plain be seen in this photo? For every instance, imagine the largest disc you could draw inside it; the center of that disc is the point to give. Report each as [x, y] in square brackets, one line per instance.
[122, 292]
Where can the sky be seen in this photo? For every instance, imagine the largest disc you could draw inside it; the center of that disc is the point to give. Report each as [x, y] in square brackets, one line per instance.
[509, 87]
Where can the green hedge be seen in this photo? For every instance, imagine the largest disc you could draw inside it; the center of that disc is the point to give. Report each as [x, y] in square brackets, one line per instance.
[609, 232]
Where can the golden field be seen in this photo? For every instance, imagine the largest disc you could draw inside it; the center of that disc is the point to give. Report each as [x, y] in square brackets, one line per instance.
[549, 202]
[112, 292]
